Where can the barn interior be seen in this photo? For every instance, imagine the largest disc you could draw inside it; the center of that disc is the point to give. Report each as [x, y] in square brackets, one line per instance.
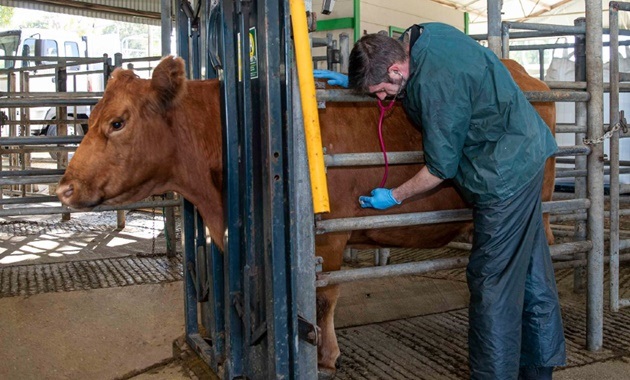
[134, 292]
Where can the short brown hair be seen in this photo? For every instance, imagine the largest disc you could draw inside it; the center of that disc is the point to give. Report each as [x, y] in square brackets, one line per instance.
[371, 58]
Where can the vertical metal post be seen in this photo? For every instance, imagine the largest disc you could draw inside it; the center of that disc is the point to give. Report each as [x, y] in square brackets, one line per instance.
[166, 26]
[541, 64]
[614, 156]
[579, 272]
[595, 261]
[183, 43]
[494, 26]
[25, 128]
[302, 229]
[231, 191]
[61, 78]
[505, 40]
[281, 315]
[344, 52]
[190, 292]
[252, 221]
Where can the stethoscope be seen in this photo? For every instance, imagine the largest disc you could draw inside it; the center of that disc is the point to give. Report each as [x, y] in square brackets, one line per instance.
[383, 110]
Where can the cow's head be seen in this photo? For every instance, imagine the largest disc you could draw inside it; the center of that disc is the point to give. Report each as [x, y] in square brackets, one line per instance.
[125, 155]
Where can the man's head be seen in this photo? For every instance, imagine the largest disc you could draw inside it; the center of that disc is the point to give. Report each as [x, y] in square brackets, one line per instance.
[375, 59]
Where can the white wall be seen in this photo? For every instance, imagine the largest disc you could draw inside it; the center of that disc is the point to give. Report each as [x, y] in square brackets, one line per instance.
[378, 15]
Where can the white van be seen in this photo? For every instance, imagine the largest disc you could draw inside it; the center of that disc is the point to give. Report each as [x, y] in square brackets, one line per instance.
[46, 43]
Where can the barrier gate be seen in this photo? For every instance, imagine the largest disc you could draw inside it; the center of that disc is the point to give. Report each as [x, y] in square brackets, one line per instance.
[250, 311]
[617, 122]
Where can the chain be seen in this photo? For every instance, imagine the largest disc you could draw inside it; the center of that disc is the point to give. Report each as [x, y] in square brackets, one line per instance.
[153, 230]
[620, 125]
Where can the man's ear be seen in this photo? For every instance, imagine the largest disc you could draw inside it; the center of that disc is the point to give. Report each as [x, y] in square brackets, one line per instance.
[394, 71]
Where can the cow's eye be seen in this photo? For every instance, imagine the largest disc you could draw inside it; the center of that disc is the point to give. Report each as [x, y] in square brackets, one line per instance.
[118, 125]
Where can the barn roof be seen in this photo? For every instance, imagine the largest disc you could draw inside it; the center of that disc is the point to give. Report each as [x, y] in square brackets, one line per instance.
[136, 11]
[561, 12]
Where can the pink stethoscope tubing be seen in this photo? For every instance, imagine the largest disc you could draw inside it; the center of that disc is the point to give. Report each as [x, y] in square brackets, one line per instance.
[383, 109]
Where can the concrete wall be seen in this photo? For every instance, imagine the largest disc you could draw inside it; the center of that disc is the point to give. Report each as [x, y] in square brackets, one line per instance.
[379, 15]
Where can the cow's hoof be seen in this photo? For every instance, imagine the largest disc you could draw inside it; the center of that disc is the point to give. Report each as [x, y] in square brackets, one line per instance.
[325, 373]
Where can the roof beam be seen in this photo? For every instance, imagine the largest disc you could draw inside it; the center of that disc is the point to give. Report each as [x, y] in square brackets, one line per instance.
[98, 7]
[543, 11]
[461, 7]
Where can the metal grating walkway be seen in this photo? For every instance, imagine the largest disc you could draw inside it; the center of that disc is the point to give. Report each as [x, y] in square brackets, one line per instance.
[26, 280]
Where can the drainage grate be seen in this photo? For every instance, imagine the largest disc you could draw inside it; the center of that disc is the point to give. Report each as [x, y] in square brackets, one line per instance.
[26, 228]
[26, 280]
[435, 346]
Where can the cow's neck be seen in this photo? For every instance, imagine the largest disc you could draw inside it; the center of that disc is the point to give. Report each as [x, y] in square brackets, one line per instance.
[199, 174]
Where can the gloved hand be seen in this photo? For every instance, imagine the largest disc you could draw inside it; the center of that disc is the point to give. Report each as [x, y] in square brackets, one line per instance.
[335, 78]
[381, 199]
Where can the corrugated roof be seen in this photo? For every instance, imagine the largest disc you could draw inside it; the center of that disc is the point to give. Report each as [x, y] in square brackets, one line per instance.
[136, 11]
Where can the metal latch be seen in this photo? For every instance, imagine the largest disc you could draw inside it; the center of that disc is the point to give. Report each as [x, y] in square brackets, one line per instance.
[308, 331]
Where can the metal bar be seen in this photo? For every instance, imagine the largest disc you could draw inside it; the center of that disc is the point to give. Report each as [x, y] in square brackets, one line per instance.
[431, 217]
[494, 26]
[581, 85]
[233, 266]
[166, 26]
[614, 244]
[570, 128]
[594, 78]
[30, 172]
[56, 95]
[427, 266]
[302, 228]
[65, 209]
[7, 141]
[30, 180]
[579, 216]
[338, 95]
[10, 102]
[414, 157]
[366, 159]
[28, 200]
[546, 27]
[280, 311]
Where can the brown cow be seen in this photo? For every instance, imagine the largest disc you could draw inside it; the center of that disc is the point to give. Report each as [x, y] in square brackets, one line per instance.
[151, 136]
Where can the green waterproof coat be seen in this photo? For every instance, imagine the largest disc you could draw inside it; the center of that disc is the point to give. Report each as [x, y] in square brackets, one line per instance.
[477, 126]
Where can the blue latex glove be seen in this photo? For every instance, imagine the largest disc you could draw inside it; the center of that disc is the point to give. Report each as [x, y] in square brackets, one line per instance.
[381, 199]
[334, 78]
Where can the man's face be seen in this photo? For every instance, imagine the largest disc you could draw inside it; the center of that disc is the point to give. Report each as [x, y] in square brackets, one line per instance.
[385, 90]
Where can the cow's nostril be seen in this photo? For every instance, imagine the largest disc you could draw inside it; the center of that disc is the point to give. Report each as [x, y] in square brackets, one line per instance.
[65, 191]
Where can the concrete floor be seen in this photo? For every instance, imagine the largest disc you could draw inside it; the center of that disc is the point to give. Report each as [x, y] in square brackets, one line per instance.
[128, 333]
[125, 328]
[95, 334]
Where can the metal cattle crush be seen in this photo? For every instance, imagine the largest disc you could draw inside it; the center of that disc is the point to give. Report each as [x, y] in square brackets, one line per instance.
[250, 311]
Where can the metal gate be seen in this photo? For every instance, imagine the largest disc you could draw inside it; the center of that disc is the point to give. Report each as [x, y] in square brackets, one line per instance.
[250, 310]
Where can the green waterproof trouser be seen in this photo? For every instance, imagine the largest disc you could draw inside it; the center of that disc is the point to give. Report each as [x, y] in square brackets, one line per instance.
[514, 312]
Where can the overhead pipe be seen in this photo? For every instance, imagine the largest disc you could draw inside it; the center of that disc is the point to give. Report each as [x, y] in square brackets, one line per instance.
[314, 149]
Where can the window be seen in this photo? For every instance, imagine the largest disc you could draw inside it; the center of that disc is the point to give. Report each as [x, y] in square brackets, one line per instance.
[72, 50]
[28, 50]
[49, 48]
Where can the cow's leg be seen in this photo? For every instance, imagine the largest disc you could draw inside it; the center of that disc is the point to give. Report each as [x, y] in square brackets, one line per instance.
[328, 349]
[330, 248]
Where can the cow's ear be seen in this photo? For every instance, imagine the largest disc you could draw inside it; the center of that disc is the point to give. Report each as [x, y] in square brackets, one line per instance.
[169, 81]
